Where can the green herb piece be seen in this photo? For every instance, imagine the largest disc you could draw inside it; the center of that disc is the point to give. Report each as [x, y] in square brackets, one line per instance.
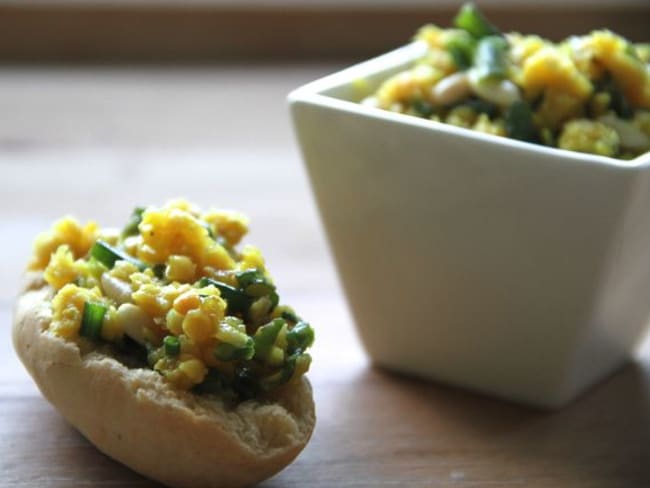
[237, 300]
[265, 338]
[245, 384]
[422, 108]
[480, 106]
[260, 309]
[518, 121]
[300, 337]
[109, 255]
[172, 346]
[490, 62]
[461, 47]
[159, 270]
[471, 20]
[92, 320]
[259, 289]
[256, 285]
[275, 299]
[618, 101]
[248, 277]
[286, 373]
[290, 316]
[228, 352]
[131, 227]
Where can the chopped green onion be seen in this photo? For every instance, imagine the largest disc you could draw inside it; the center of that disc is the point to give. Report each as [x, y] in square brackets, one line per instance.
[461, 47]
[459, 56]
[236, 299]
[248, 277]
[290, 316]
[172, 346]
[109, 255]
[256, 285]
[261, 308]
[245, 384]
[159, 270]
[259, 289]
[471, 20]
[265, 338]
[490, 62]
[618, 102]
[481, 106]
[228, 352]
[131, 227]
[275, 299]
[518, 121]
[92, 320]
[284, 375]
[300, 337]
[422, 107]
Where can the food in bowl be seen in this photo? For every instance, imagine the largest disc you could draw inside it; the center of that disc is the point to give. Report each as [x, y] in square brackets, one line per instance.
[587, 93]
[521, 268]
[167, 347]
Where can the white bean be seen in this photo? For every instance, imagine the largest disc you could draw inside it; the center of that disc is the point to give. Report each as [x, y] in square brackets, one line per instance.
[631, 137]
[451, 89]
[116, 289]
[500, 92]
[133, 320]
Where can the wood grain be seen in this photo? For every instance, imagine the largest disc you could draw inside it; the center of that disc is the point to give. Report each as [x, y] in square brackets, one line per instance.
[97, 142]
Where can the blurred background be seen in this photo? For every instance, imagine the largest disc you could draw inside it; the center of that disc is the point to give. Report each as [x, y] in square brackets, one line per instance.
[182, 31]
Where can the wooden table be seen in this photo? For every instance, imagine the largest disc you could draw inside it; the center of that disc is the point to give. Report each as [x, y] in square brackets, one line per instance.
[96, 142]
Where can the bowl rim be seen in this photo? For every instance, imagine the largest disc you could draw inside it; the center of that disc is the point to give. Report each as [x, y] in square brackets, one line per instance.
[315, 93]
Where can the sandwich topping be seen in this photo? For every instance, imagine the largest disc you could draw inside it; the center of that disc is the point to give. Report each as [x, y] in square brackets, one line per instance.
[172, 289]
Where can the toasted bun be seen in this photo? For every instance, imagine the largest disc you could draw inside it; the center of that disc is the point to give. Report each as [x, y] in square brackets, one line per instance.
[137, 418]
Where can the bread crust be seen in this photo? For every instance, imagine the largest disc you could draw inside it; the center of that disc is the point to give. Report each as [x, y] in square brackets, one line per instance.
[136, 417]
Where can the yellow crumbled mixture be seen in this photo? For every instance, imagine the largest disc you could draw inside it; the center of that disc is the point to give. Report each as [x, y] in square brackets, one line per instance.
[66, 231]
[173, 289]
[586, 93]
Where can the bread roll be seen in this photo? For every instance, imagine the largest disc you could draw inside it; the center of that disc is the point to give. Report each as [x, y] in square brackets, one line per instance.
[136, 417]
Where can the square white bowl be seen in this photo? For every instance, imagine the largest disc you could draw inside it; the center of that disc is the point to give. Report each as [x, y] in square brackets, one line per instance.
[480, 261]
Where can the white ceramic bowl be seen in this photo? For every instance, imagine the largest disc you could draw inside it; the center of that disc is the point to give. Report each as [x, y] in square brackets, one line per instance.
[488, 263]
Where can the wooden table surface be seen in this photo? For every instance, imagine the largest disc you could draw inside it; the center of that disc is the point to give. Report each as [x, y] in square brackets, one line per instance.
[97, 141]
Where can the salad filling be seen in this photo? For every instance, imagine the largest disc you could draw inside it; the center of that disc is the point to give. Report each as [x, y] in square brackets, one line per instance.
[170, 291]
[587, 93]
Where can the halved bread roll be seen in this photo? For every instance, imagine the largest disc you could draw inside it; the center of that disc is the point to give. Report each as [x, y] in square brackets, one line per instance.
[136, 417]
